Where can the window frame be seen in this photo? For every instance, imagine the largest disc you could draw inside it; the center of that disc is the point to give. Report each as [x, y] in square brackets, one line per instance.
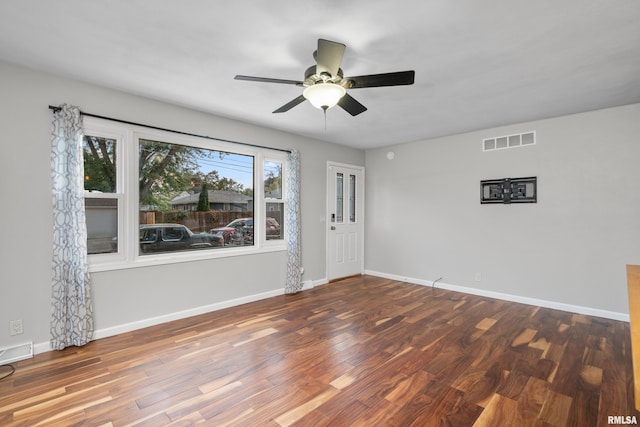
[127, 138]
[103, 130]
[283, 161]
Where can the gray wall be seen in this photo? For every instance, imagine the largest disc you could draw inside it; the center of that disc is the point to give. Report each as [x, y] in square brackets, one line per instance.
[425, 220]
[134, 295]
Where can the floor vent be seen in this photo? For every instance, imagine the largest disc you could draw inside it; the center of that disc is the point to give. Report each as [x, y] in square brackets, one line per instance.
[15, 353]
[509, 141]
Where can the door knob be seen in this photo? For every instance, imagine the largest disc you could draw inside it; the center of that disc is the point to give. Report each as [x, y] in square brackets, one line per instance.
[333, 227]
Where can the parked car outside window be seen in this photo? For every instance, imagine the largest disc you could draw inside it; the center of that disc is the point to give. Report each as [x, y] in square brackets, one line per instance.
[174, 237]
[240, 231]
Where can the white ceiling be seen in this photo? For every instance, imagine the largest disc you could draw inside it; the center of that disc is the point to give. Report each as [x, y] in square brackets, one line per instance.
[478, 64]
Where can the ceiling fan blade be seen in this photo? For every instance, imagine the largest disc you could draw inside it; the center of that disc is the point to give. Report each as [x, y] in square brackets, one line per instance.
[289, 105]
[351, 106]
[329, 57]
[268, 80]
[398, 78]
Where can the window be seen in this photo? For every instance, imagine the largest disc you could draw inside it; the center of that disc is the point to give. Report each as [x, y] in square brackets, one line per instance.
[274, 202]
[155, 197]
[207, 191]
[102, 199]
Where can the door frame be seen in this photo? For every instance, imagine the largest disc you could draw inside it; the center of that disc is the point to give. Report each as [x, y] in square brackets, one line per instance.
[328, 211]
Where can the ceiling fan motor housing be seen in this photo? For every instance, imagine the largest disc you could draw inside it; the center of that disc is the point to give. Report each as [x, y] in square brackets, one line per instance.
[311, 77]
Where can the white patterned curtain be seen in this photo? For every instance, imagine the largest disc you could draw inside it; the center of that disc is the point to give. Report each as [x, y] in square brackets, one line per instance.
[292, 224]
[72, 312]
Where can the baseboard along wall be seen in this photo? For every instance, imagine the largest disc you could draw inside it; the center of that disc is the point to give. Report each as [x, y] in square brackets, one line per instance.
[624, 317]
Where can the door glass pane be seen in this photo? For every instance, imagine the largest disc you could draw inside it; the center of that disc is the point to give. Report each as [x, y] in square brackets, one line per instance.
[339, 198]
[352, 198]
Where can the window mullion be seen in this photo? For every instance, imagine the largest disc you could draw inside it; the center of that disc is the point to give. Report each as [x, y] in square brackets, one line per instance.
[130, 180]
[259, 201]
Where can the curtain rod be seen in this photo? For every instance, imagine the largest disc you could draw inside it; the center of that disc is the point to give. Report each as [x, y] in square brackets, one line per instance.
[55, 109]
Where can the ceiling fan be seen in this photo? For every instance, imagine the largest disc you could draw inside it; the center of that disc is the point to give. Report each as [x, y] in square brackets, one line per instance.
[325, 85]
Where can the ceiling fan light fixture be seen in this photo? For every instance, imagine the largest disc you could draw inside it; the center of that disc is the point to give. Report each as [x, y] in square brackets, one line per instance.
[324, 95]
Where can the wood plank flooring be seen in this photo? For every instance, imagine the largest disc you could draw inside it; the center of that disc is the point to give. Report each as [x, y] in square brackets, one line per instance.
[363, 351]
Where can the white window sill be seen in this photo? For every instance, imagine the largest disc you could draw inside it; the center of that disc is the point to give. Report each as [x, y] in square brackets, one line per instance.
[111, 262]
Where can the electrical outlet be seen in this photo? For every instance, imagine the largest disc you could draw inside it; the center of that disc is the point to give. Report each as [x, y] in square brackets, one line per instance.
[15, 327]
[478, 277]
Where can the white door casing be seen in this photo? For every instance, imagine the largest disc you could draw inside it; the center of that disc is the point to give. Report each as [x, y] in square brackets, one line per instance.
[345, 220]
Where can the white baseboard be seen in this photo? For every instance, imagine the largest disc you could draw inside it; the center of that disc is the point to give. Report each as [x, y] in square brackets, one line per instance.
[127, 327]
[624, 317]
[310, 284]
[143, 323]
[320, 282]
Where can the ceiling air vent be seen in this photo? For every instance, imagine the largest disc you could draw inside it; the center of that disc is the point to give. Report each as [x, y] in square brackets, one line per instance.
[509, 141]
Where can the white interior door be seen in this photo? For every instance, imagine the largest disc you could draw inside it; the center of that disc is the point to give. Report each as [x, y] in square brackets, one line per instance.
[345, 220]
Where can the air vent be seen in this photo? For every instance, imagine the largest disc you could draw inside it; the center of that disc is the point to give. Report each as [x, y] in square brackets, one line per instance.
[15, 353]
[509, 141]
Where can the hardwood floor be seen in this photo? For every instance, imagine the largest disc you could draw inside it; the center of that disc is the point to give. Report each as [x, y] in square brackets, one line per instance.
[364, 351]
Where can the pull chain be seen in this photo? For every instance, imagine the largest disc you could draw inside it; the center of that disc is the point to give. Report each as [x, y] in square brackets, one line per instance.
[324, 109]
